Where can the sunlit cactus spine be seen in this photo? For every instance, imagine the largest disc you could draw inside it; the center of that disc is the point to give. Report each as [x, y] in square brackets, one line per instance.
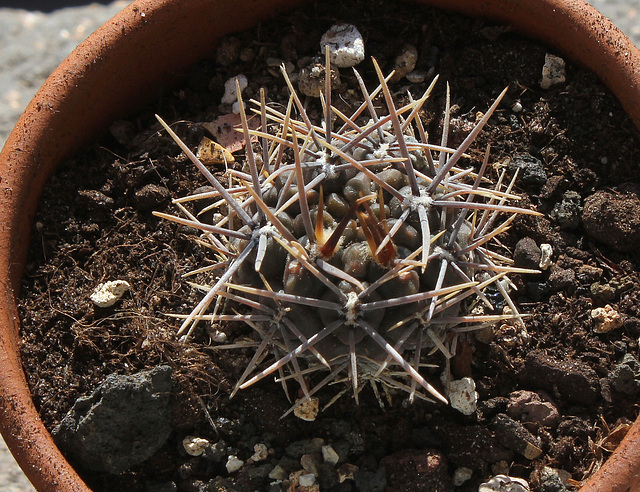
[379, 262]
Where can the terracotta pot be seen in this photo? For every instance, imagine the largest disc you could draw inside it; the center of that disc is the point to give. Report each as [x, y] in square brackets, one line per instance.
[152, 42]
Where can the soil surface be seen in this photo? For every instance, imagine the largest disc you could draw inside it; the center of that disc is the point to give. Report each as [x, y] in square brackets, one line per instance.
[555, 399]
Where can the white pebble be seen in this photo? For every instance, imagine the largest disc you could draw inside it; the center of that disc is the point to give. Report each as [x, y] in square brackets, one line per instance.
[260, 452]
[108, 293]
[329, 454]
[194, 446]
[517, 107]
[346, 46]
[461, 475]
[307, 480]
[307, 409]
[503, 483]
[234, 464]
[606, 318]
[230, 95]
[463, 396]
[546, 251]
[218, 336]
[553, 71]
[235, 107]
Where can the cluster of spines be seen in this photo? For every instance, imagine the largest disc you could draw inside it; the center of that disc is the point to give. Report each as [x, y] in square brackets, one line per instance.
[441, 187]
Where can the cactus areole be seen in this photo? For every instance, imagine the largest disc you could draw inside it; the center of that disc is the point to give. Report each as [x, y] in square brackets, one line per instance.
[389, 253]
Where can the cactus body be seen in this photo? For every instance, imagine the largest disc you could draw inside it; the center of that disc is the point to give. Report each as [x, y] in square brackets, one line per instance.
[377, 262]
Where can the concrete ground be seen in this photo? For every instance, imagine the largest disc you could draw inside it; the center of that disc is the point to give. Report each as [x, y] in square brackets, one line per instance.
[36, 35]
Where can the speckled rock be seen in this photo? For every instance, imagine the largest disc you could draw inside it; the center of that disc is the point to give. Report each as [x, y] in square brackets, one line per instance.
[122, 423]
[532, 172]
[613, 219]
[527, 254]
[625, 377]
[567, 211]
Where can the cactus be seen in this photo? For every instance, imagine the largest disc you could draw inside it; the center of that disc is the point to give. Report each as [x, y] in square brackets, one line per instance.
[379, 261]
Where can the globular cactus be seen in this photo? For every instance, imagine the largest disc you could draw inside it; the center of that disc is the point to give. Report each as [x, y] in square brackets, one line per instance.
[379, 261]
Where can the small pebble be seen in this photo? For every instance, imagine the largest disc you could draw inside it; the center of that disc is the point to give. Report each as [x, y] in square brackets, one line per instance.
[235, 107]
[212, 153]
[504, 483]
[546, 251]
[552, 479]
[463, 396]
[625, 377]
[217, 336]
[567, 212]
[405, 62]
[329, 454]
[108, 293]
[301, 481]
[278, 473]
[307, 480]
[307, 409]
[234, 464]
[311, 80]
[230, 95]
[513, 435]
[310, 462]
[531, 169]
[606, 319]
[517, 107]
[528, 406]
[346, 46]
[461, 475]
[194, 446]
[346, 471]
[562, 278]
[527, 254]
[260, 452]
[553, 71]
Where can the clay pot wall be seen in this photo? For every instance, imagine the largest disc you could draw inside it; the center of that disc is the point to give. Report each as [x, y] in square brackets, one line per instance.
[151, 43]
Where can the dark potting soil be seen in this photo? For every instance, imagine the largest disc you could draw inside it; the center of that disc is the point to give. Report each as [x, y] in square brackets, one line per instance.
[579, 153]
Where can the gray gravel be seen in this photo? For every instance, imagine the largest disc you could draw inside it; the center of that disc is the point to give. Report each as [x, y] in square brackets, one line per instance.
[33, 43]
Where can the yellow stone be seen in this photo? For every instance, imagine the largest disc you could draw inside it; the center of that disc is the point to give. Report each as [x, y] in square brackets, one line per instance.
[211, 153]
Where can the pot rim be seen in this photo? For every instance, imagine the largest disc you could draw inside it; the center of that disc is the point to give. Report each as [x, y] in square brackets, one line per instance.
[153, 41]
